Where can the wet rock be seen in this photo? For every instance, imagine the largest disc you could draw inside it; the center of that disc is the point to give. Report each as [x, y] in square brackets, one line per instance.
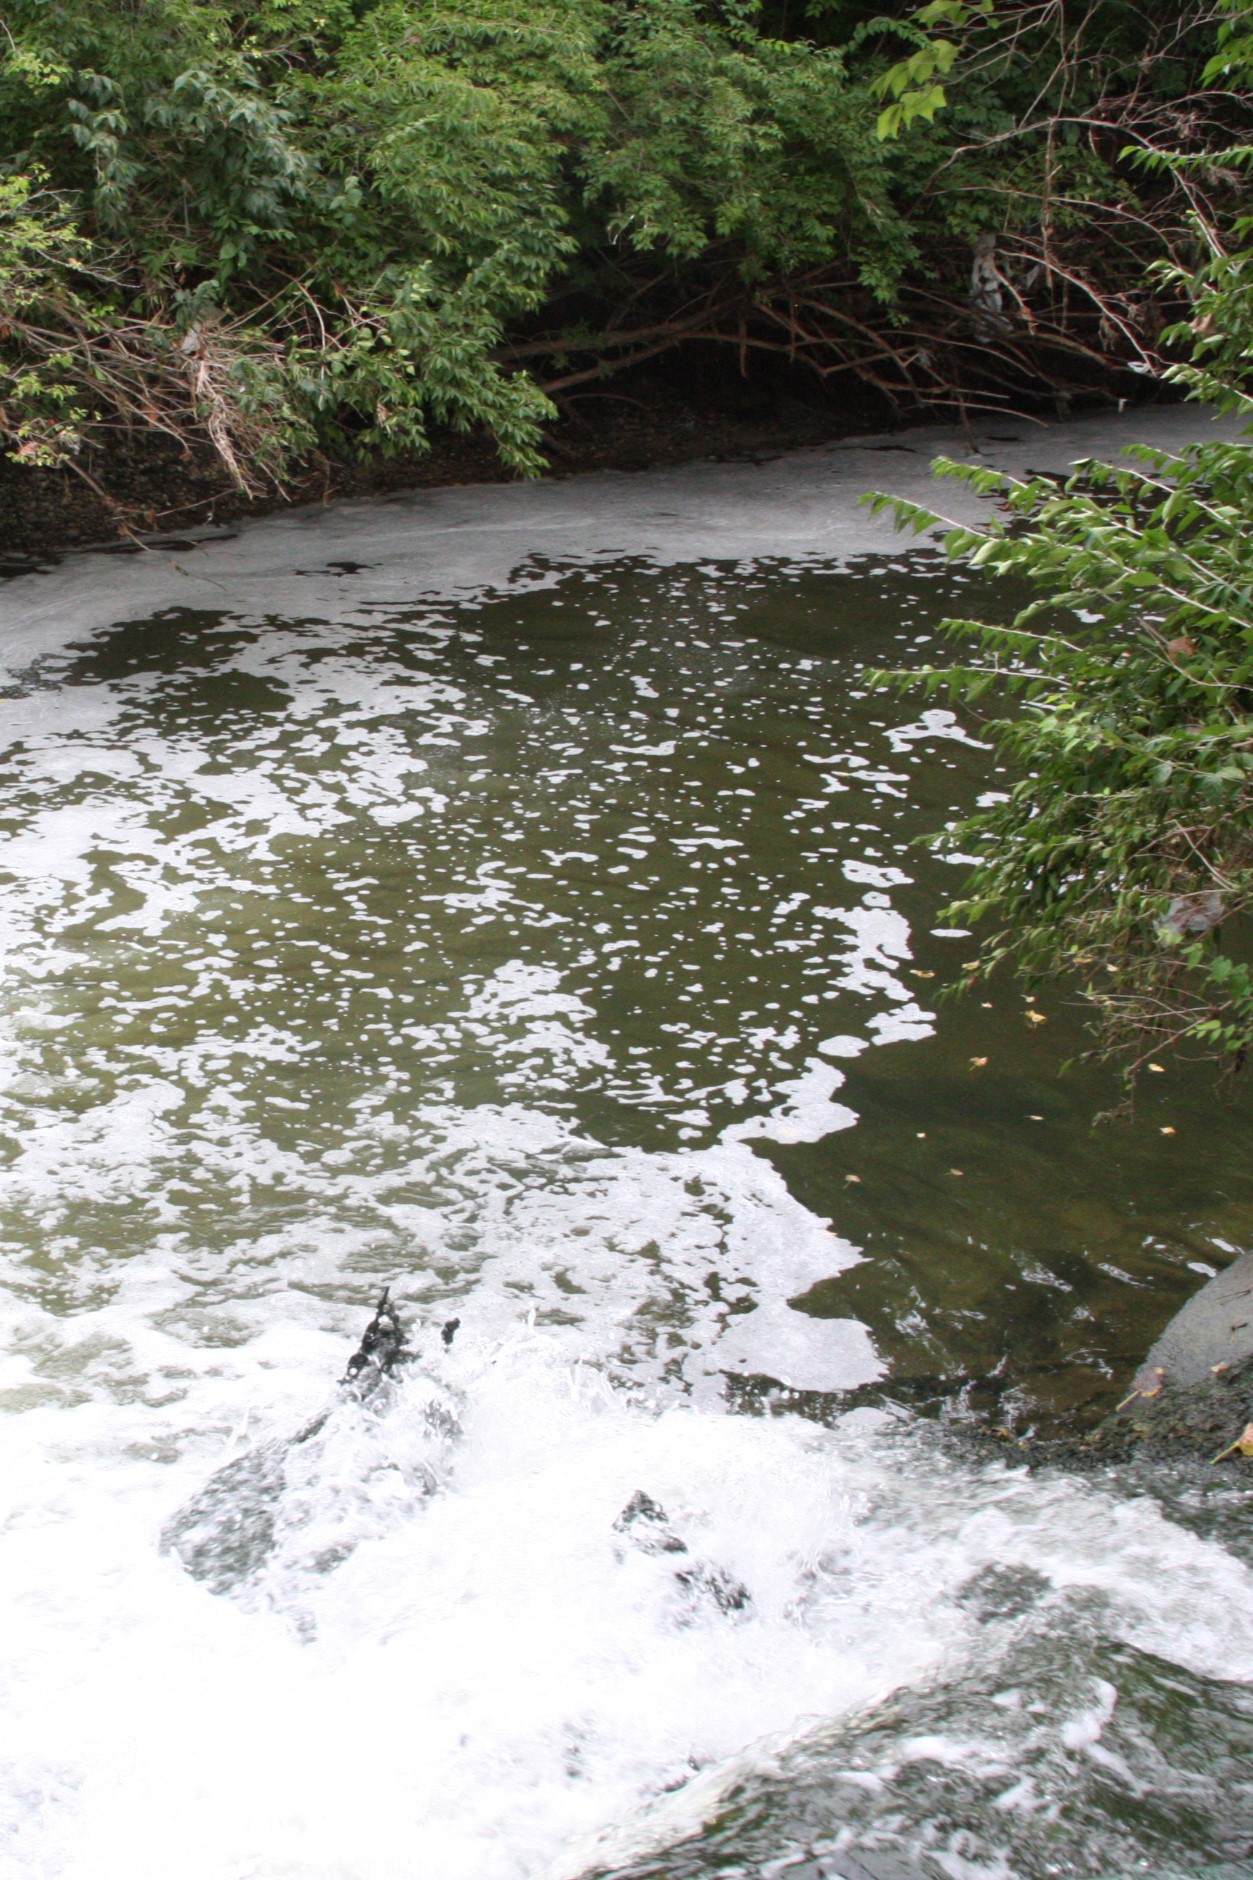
[382, 1348]
[644, 1522]
[223, 1535]
[706, 1581]
[1176, 1421]
[1002, 1592]
[1213, 1330]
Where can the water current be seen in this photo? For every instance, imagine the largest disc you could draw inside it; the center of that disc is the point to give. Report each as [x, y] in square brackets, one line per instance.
[512, 896]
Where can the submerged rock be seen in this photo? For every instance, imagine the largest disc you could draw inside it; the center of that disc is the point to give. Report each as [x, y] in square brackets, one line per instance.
[227, 1531]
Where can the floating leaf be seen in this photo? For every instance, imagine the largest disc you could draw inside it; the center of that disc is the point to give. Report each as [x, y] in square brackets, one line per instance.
[977, 1064]
[1243, 1445]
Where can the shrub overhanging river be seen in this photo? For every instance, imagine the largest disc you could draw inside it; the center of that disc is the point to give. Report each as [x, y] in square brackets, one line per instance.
[511, 896]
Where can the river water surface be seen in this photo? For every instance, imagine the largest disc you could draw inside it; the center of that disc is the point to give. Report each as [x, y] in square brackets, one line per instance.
[512, 896]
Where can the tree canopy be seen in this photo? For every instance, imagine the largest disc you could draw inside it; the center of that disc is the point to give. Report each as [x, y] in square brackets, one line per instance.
[339, 223]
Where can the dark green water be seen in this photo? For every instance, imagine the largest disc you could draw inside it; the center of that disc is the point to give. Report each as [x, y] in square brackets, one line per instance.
[567, 957]
[662, 802]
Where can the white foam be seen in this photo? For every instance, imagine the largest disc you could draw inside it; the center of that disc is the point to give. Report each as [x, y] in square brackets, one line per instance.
[454, 543]
[496, 1681]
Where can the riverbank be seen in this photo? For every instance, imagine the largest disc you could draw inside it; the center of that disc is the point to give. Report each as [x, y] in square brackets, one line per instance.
[1189, 1405]
[153, 486]
[348, 554]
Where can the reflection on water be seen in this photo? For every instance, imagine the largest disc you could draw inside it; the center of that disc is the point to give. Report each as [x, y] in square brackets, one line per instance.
[565, 954]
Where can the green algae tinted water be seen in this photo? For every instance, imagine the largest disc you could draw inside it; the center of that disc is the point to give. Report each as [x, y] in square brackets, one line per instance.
[561, 953]
[633, 847]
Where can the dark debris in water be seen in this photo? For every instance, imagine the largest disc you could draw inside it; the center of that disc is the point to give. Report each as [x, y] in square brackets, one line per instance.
[382, 1348]
[645, 1521]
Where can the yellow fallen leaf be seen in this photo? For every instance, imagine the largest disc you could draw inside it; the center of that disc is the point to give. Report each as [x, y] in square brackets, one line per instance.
[1036, 1018]
[852, 1178]
[1243, 1445]
[977, 1064]
[1151, 1387]
[957, 1171]
[986, 1004]
[1158, 1067]
[922, 1135]
[1035, 1119]
[1168, 1129]
[970, 966]
[918, 973]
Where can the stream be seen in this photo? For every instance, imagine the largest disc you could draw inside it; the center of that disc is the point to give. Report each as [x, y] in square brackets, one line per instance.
[512, 896]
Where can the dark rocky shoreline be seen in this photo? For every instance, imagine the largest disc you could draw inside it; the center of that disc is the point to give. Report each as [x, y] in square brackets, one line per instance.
[1190, 1403]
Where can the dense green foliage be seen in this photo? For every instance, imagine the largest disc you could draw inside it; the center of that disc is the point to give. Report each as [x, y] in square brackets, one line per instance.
[325, 223]
[335, 214]
[1126, 845]
[1122, 859]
